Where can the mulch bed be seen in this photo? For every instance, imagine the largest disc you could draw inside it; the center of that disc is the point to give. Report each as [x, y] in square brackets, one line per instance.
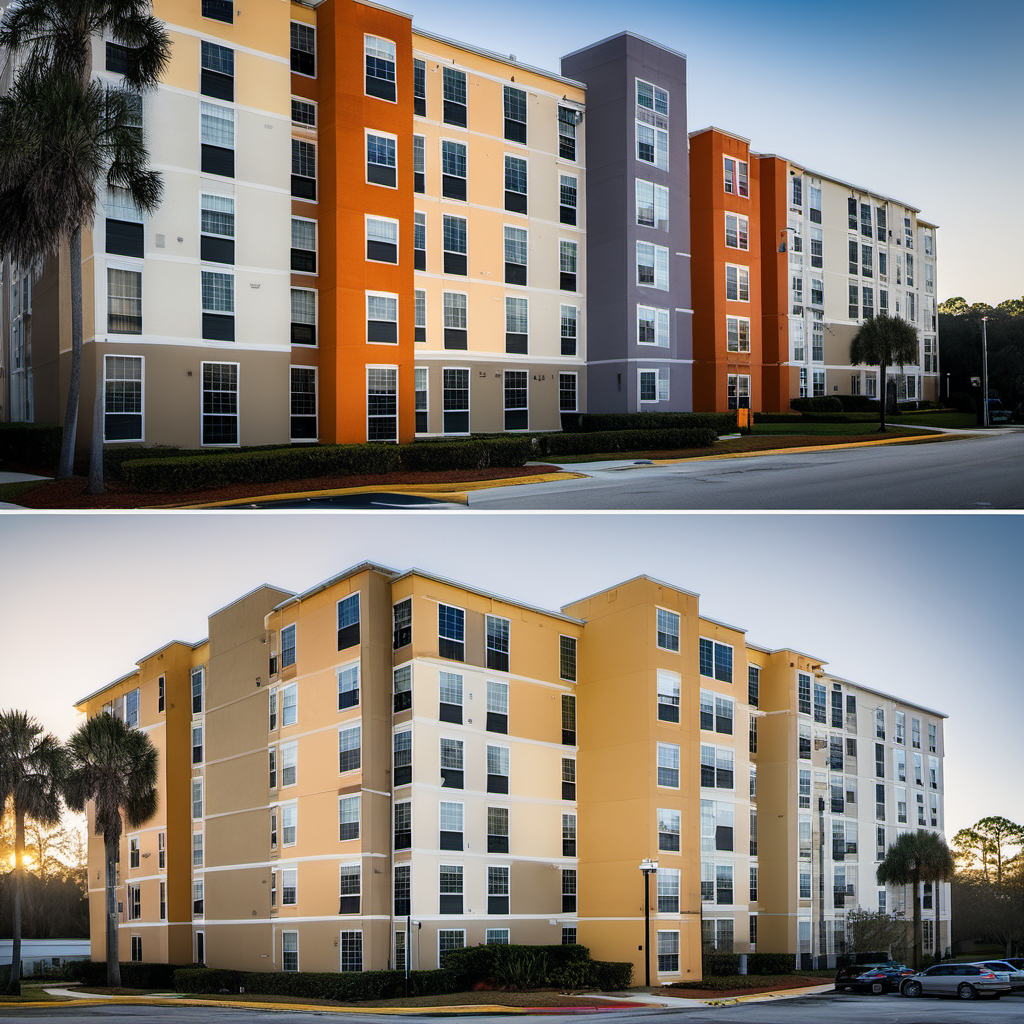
[777, 984]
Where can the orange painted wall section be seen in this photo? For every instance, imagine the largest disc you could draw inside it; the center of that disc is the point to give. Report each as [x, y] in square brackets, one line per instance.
[709, 204]
[345, 198]
[774, 195]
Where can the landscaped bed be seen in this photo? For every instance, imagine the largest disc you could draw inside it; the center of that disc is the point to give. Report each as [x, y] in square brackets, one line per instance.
[744, 985]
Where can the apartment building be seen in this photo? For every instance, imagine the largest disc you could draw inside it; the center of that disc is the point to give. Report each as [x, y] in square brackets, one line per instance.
[789, 262]
[392, 764]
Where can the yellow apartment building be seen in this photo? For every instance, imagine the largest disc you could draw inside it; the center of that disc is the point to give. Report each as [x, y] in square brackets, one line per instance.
[392, 764]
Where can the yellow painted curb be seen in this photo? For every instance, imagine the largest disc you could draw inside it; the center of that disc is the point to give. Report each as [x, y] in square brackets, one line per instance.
[764, 996]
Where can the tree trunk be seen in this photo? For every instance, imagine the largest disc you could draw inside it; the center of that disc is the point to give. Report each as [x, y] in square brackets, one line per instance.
[938, 938]
[67, 449]
[14, 987]
[883, 400]
[916, 887]
[95, 485]
[110, 844]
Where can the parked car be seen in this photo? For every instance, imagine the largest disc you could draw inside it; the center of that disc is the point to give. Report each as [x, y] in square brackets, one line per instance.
[997, 412]
[845, 976]
[967, 981]
[1016, 973]
[881, 979]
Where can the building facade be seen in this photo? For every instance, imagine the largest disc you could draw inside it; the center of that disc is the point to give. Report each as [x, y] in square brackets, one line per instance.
[391, 765]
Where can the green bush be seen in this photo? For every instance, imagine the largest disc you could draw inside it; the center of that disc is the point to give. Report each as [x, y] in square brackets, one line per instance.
[820, 404]
[439, 456]
[30, 444]
[856, 403]
[115, 457]
[196, 472]
[206, 979]
[347, 987]
[93, 974]
[5, 977]
[589, 422]
[610, 976]
[718, 965]
[771, 963]
[779, 417]
[726, 983]
[626, 441]
[515, 966]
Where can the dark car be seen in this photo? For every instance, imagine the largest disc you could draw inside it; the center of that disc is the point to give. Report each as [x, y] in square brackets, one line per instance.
[881, 979]
[847, 976]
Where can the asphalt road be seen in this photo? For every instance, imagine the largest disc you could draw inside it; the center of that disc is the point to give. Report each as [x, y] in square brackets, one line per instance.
[969, 473]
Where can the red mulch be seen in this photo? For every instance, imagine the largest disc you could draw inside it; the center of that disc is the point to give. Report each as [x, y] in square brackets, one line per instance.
[58, 494]
[795, 981]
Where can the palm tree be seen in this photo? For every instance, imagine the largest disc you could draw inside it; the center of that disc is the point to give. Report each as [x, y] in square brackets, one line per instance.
[32, 769]
[884, 341]
[916, 857]
[62, 136]
[115, 767]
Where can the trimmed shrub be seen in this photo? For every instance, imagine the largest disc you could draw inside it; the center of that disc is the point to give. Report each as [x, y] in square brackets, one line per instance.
[626, 441]
[515, 966]
[589, 422]
[821, 404]
[346, 987]
[610, 976]
[93, 974]
[5, 976]
[726, 983]
[30, 444]
[87, 972]
[439, 456]
[856, 403]
[196, 472]
[771, 963]
[779, 417]
[719, 965]
[206, 979]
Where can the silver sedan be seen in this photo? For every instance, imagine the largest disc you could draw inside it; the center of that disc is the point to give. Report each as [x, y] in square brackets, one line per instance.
[967, 981]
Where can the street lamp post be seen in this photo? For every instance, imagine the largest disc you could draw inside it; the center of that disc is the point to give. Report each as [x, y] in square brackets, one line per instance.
[984, 367]
[648, 867]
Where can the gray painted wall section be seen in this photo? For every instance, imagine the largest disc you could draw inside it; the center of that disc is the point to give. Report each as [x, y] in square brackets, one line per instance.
[610, 69]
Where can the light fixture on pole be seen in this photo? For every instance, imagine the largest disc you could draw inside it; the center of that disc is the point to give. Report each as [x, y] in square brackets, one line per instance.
[984, 367]
[648, 867]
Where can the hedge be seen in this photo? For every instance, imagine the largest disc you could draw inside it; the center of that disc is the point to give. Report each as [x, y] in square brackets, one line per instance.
[821, 404]
[589, 422]
[610, 976]
[771, 963]
[341, 987]
[195, 472]
[93, 974]
[626, 441]
[439, 456]
[114, 458]
[520, 966]
[720, 965]
[727, 983]
[30, 444]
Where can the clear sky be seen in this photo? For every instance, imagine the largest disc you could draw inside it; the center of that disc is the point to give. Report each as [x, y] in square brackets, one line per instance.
[920, 101]
[924, 607]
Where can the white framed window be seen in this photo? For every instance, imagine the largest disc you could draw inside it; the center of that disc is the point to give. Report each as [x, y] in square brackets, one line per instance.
[289, 699]
[197, 799]
[567, 392]
[568, 118]
[351, 945]
[568, 197]
[453, 169]
[422, 398]
[198, 903]
[737, 283]
[289, 887]
[667, 629]
[738, 391]
[348, 817]
[303, 403]
[669, 829]
[217, 126]
[382, 403]
[349, 888]
[303, 57]
[303, 255]
[287, 646]
[668, 695]
[514, 105]
[304, 170]
[668, 891]
[289, 763]
[220, 404]
[652, 265]
[455, 396]
[123, 393]
[289, 947]
[348, 685]
[381, 159]
[737, 232]
[380, 68]
[569, 328]
[737, 330]
[349, 749]
[303, 112]
[449, 939]
[736, 180]
[453, 88]
[668, 765]
[651, 205]
[124, 301]
[381, 318]
[197, 744]
[381, 239]
[653, 385]
[652, 326]
[567, 252]
[289, 824]
[668, 949]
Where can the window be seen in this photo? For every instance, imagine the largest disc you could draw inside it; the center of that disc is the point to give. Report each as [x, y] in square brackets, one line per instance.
[382, 319]
[303, 316]
[289, 887]
[736, 180]
[419, 310]
[456, 334]
[804, 741]
[567, 121]
[163, 901]
[817, 257]
[497, 635]
[381, 159]
[453, 170]
[303, 49]
[348, 818]
[217, 74]
[450, 694]
[455, 245]
[716, 767]
[496, 936]
[515, 114]
[652, 265]
[568, 778]
[351, 951]
[715, 660]
[290, 704]
[219, 10]
[122, 400]
[567, 400]
[567, 265]
[716, 712]
[455, 396]
[124, 301]
[737, 233]
[380, 67]
[220, 404]
[669, 829]
[303, 245]
[402, 682]
[217, 139]
[753, 685]
[401, 615]
[737, 330]
[651, 124]
[497, 769]
[515, 184]
[568, 720]
[652, 205]
[569, 891]
[161, 855]
[497, 706]
[668, 629]
[497, 830]
[349, 750]
[419, 88]
[516, 249]
[449, 939]
[161, 684]
[197, 744]
[516, 392]
[451, 628]
[302, 403]
[218, 293]
[403, 825]
[668, 892]
[652, 326]
[403, 890]
[901, 727]
[668, 765]
[814, 203]
[197, 897]
[124, 229]
[303, 112]
[348, 686]
[820, 704]
[450, 887]
[419, 165]
[289, 824]
[348, 621]
[668, 695]
[381, 403]
[933, 737]
[381, 240]
[290, 940]
[568, 189]
[737, 283]
[349, 889]
[133, 853]
[454, 93]
[569, 317]
[451, 764]
[517, 341]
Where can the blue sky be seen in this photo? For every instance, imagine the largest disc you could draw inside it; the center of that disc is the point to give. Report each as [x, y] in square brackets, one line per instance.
[921, 101]
[924, 607]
